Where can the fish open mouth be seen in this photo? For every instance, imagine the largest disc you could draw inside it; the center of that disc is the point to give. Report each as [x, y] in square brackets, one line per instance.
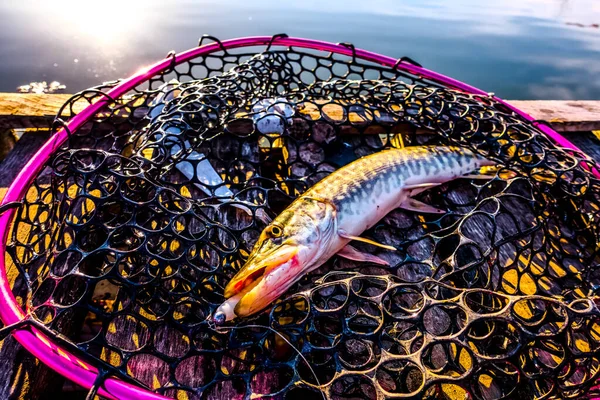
[240, 285]
[254, 271]
[259, 283]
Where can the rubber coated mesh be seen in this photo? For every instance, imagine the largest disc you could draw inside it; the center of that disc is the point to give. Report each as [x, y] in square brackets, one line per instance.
[129, 234]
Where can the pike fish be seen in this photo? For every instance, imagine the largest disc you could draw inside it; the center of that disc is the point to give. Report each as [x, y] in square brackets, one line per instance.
[336, 211]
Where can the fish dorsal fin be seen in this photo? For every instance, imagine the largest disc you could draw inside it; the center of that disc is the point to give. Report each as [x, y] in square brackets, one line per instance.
[345, 235]
[352, 253]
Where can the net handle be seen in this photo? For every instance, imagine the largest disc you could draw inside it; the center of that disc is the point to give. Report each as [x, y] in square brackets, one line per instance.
[40, 345]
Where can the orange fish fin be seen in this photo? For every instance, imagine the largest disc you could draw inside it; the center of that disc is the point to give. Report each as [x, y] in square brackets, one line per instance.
[476, 176]
[486, 172]
[352, 253]
[345, 235]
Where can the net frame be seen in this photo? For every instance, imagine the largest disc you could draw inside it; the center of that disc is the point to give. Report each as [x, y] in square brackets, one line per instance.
[49, 347]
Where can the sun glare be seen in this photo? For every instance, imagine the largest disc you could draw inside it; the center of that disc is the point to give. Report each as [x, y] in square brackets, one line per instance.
[104, 22]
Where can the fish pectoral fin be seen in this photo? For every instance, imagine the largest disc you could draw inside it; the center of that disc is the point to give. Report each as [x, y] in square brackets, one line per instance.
[421, 187]
[352, 253]
[345, 235]
[411, 204]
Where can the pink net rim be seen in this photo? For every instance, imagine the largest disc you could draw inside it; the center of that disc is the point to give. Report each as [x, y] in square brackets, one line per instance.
[43, 347]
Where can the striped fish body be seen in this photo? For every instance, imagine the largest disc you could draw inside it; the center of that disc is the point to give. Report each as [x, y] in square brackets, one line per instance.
[366, 190]
[335, 211]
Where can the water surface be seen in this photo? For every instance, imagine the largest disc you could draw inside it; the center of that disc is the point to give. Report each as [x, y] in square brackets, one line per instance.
[519, 49]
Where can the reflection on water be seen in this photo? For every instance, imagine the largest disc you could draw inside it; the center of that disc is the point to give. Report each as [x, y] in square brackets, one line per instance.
[515, 48]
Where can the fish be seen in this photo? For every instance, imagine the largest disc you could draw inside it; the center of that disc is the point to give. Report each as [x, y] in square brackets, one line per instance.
[336, 211]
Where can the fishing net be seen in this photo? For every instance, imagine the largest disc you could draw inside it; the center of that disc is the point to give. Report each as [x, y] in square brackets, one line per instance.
[126, 238]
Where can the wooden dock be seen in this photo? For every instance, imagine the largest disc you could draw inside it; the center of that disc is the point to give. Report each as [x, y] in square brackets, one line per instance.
[19, 111]
[24, 127]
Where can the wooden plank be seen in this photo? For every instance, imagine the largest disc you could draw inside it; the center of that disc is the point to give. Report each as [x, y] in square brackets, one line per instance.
[588, 142]
[28, 110]
[19, 110]
[7, 142]
[565, 116]
[21, 153]
[25, 377]
[35, 381]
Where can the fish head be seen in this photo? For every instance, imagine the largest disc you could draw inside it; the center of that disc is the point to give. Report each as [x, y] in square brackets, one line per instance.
[286, 249]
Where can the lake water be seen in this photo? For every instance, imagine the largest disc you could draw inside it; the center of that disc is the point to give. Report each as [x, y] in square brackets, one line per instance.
[519, 49]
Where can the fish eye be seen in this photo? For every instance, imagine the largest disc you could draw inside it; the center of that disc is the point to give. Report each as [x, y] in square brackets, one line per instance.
[275, 231]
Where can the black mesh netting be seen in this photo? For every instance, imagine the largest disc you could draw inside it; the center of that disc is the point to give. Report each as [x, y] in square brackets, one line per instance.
[129, 234]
